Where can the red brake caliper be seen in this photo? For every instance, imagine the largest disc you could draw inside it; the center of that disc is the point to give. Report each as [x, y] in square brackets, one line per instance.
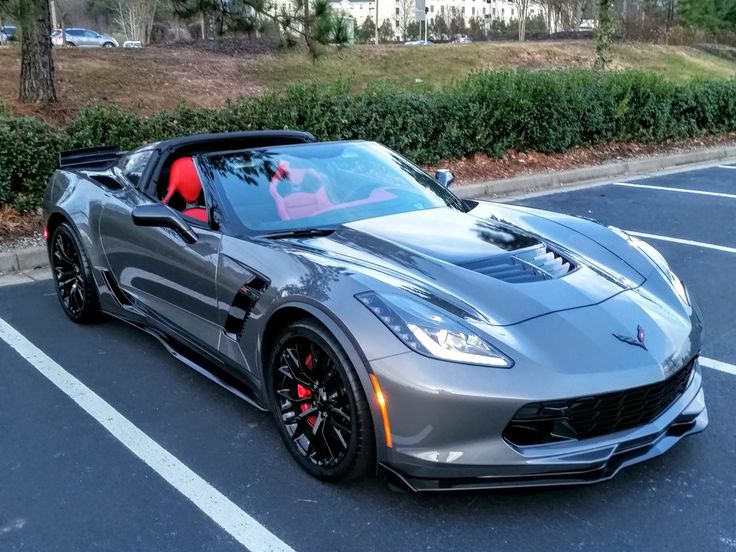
[302, 392]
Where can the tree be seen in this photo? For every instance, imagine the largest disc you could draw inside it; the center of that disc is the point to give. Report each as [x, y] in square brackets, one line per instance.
[439, 28]
[367, 30]
[310, 20]
[37, 64]
[456, 24]
[708, 14]
[386, 31]
[196, 9]
[603, 35]
[413, 30]
[407, 14]
[476, 27]
[135, 18]
[523, 7]
[564, 15]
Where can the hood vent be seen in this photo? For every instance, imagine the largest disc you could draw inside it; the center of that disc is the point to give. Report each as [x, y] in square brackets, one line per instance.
[531, 264]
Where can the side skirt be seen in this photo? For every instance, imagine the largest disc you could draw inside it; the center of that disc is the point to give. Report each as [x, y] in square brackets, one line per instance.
[177, 346]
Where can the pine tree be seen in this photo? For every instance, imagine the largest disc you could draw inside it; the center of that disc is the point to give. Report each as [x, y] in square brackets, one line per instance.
[37, 63]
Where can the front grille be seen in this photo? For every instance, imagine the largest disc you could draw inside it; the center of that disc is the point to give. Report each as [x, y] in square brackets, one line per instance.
[585, 417]
[531, 264]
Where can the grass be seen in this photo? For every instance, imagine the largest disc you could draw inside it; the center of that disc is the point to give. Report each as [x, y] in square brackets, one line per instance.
[440, 64]
[154, 79]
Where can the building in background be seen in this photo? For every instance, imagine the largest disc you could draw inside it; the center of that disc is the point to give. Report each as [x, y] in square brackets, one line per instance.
[501, 11]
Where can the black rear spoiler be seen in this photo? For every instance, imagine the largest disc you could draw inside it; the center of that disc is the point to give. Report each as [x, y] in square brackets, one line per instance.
[89, 158]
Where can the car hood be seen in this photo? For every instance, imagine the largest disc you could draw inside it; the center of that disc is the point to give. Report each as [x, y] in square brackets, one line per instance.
[497, 272]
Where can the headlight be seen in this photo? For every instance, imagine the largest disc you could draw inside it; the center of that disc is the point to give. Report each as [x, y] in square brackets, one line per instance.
[432, 332]
[659, 261]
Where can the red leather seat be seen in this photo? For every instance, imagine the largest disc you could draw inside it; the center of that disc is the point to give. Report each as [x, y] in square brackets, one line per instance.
[184, 180]
[299, 204]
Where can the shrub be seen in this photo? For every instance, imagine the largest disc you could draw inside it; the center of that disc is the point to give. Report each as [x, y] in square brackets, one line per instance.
[105, 124]
[28, 154]
[547, 111]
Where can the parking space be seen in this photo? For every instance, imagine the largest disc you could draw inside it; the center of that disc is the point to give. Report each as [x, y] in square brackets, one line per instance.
[67, 484]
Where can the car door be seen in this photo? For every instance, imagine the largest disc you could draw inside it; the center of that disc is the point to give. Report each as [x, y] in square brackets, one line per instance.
[169, 279]
[75, 37]
[91, 39]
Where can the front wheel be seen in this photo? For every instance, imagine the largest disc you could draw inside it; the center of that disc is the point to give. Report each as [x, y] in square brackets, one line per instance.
[319, 405]
[108, 45]
[72, 274]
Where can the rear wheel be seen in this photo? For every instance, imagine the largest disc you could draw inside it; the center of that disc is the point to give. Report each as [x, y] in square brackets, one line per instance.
[72, 273]
[319, 404]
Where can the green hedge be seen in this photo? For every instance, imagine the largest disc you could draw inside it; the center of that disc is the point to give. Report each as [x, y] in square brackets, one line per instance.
[546, 111]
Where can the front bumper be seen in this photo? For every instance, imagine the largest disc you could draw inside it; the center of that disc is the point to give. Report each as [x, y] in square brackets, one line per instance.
[567, 463]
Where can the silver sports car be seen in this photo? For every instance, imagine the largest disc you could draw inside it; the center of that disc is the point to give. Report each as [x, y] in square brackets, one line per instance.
[385, 323]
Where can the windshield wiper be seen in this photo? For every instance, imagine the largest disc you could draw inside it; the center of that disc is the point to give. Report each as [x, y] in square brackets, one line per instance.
[299, 233]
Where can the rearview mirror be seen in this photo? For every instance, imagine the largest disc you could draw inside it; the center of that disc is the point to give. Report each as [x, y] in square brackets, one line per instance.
[444, 177]
[161, 216]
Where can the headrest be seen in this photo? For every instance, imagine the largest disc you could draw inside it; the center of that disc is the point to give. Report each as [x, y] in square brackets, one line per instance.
[183, 178]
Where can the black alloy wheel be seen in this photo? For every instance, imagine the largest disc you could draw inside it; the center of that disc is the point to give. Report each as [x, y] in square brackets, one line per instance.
[71, 269]
[319, 404]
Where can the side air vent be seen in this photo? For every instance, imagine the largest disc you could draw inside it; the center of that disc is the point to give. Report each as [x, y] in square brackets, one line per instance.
[107, 181]
[530, 264]
[120, 297]
[242, 305]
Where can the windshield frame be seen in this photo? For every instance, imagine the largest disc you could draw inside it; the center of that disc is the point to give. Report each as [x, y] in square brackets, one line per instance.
[237, 227]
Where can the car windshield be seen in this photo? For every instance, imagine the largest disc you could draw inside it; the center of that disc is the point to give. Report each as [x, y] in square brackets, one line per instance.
[321, 185]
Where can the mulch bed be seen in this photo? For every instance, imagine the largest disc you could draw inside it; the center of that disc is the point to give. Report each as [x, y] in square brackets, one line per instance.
[481, 167]
[19, 230]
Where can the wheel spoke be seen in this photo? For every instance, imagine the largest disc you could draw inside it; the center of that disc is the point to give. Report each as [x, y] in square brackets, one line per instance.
[341, 414]
[339, 425]
[287, 394]
[326, 442]
[292, 365]
[336, 430]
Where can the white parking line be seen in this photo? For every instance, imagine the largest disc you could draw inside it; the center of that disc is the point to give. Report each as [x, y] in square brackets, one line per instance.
[243, 528]
[727, 166]
[680, 190]
[718, 365]
[704, 245]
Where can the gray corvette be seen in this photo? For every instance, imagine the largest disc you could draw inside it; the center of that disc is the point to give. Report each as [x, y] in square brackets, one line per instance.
[384, 322]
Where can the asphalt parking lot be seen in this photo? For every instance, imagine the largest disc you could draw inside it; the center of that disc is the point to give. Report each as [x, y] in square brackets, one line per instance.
[66, 483]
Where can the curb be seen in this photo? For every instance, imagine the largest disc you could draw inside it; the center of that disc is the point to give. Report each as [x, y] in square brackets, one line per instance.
[561, 179]
[36, 257]
[21, 260]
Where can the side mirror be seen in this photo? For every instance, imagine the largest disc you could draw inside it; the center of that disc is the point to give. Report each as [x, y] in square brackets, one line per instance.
[161, 216]
[444, 177]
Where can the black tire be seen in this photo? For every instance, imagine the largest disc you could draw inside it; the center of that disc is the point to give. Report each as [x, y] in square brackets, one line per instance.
[108, 45]
[71, 44]
[331, 390]
[72, 272]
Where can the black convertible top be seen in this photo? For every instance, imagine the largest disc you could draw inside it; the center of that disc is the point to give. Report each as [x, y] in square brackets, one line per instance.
[103, 156]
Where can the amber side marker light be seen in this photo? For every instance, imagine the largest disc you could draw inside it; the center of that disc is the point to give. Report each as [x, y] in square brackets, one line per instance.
[381, 400]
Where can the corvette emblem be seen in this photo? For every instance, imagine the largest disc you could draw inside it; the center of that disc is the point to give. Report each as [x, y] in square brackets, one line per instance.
[638, 341]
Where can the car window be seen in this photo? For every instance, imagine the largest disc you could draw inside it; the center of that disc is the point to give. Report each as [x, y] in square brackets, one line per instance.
[133, 165]
[74, 32]
[327, 184]
[90, 34]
